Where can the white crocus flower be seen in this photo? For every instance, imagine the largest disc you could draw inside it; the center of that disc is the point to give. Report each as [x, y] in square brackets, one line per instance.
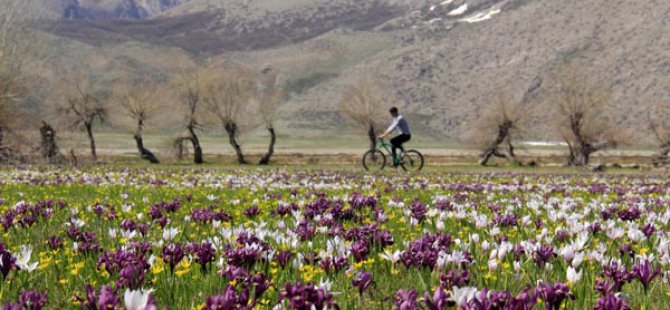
[170, 233]
[392, 257]
[578, 259]
[463, 295]
[23, 259]
[136, 300]
[573, 276]
[112, 233]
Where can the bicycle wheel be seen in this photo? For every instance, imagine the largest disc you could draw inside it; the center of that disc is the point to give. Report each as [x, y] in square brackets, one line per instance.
[412, 160]
[374, 160]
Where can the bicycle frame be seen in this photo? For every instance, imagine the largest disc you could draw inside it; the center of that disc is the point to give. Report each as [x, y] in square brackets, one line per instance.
[387, 147]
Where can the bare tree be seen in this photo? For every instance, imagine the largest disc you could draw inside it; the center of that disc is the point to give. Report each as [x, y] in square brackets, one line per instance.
[227, 93]
[659, 124]
[269, 98]
[581, 104]
[83, 107]
[140, 100]
[19, 48]
[191, 100]
[497, 129]
[363, 105]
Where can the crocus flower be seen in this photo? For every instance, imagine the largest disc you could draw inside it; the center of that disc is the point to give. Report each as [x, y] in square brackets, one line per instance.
[610, 302]
[22, 260]
[136, 300]
[645, 272]
[172, 254]
[363, 281]
[553, 294]
[33, 300]
[7, 261]
[439, 300]
[405, 300]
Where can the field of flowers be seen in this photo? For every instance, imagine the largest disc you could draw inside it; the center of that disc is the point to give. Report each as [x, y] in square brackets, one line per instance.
[109, 238]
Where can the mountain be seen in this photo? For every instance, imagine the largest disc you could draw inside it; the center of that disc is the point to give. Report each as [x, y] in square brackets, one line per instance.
[444, 62]
[112, 9]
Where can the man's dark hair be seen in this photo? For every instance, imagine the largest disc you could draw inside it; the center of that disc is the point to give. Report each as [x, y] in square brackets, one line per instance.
[393, 110]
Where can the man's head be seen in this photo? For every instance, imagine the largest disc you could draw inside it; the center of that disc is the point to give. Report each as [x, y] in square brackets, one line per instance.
[393, 111]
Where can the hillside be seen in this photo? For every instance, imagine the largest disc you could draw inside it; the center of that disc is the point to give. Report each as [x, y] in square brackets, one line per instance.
[446, 60]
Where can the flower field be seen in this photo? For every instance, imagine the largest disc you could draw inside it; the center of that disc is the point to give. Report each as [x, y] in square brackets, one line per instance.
[109, 238]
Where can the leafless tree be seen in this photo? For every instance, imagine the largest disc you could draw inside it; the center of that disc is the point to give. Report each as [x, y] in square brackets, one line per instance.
[227, 93]
[81, 104]
[140, 100]
[363, 105]
[497, 130]
[191, 100]
[19, 48]
[658, 118]
[581, 105]
[269, 99]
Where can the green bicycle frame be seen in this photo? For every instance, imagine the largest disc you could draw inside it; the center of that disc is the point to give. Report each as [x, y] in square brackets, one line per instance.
[387, 147]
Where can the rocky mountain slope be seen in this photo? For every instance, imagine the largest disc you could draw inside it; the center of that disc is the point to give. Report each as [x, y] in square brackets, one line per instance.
[445, 61]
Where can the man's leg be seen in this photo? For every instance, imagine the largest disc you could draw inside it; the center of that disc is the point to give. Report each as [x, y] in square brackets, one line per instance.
[395, 143]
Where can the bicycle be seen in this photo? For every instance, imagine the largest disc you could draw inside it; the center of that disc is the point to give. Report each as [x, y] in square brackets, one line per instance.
[410, 160]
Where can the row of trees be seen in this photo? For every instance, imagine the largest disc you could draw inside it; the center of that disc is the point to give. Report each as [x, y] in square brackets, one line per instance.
[222, 94]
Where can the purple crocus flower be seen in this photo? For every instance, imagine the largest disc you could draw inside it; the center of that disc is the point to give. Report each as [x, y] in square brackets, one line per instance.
[606, 287]
[284, 257]
[405, 300]
[458, 278]
[10, 306]
[648, 230]
[645, 272]
[55, 243]
[618, 274]
[543, 254]
[610, 302]
[418, 210]
[553, 294]
[360, 250]
[439, 301]
[172, 254]
[7, 262]
[229, 299]
[107, 298]
[252, 212]
[204, 253]
[89, 301]
[362, 281]
[526, 300]
[305, 297]
[33, 300]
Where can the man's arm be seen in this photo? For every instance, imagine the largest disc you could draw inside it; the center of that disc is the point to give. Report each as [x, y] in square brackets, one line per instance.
[391, 128]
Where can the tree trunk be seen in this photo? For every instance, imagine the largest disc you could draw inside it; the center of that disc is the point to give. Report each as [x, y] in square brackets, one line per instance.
[197, 149]
[231, 129]
[271, 149]
[91, 139]
[493, 150]
[372, 136]
[661, 158]
[49, 146]
[144, 153]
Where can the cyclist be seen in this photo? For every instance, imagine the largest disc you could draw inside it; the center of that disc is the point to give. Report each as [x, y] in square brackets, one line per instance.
[405, 135]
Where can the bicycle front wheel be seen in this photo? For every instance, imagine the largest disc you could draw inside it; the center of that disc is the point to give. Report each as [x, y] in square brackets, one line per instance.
[374, 160]
[412, 160]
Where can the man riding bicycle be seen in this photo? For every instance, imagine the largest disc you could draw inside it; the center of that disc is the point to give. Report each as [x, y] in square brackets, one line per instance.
[405, 135]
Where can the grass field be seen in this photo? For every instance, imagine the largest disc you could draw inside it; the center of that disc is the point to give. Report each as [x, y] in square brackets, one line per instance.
[222, 237]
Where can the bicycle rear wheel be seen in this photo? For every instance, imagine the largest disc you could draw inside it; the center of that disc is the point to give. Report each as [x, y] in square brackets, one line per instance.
[412, 160]
[374, 160]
